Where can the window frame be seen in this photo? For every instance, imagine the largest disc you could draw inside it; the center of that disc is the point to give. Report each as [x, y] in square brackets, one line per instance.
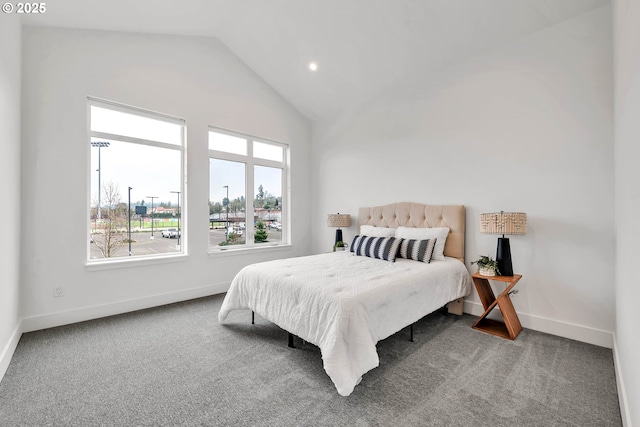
[250, 162]
[95, 264]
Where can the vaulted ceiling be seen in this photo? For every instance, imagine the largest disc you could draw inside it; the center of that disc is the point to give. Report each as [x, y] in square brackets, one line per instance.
[362, 47]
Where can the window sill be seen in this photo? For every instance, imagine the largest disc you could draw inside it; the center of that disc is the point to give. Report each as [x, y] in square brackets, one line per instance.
[228, 251]
[134, 262]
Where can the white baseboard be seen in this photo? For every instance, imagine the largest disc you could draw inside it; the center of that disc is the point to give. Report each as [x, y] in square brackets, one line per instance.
[9, 349]
[60, 318]
[622, 393]
[551, 326]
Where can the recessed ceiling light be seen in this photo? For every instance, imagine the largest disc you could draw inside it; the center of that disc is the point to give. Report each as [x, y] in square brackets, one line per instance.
[313, 66]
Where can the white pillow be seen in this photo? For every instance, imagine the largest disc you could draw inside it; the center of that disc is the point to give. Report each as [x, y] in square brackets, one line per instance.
[371, 231]
[440, 234]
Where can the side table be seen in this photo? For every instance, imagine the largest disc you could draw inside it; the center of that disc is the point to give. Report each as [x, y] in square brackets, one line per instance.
[511, 326]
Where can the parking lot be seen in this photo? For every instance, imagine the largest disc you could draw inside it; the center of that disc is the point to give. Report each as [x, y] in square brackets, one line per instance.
[142, 244]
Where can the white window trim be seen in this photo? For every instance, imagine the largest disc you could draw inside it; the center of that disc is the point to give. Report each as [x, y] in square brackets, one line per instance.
[102, 264]
[249, 161]
[243, 250]
[130, 139]
[98, 264]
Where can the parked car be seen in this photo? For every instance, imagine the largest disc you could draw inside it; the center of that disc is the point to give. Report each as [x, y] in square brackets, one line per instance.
[170, 233]
[276, 225]
[235, 230]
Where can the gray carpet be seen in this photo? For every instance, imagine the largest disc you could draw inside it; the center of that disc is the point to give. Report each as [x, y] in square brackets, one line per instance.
[175, 365]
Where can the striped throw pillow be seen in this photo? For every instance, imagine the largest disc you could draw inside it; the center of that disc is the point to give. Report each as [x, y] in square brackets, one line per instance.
[417, 250]
[354, 243]
[385, 248]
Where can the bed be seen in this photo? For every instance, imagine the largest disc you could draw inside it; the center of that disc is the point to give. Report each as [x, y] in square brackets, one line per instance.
[345, 303]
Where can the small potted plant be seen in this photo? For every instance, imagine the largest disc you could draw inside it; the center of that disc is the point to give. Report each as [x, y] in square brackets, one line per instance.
[339, 246]
[487, 266]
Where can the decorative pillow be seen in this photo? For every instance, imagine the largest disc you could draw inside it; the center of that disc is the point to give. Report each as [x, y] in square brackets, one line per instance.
[440, 234]
[417, 250]
[354, 243]
[370, 230]
[385, 248]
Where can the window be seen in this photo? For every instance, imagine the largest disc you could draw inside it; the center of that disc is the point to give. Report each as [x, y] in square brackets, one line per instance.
[247, 191]
[136, 203]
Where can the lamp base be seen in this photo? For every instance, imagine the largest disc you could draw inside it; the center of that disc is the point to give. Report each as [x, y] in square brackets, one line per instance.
[503, 257]
[338, 235]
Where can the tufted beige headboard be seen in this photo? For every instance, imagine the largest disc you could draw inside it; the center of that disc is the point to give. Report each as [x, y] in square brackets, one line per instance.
[421, 216]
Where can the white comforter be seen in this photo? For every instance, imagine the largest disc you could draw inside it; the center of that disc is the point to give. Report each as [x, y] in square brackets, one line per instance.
[345, 304]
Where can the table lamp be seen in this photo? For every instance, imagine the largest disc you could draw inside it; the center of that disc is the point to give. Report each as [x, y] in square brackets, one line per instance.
[338, 220]
[504, 223]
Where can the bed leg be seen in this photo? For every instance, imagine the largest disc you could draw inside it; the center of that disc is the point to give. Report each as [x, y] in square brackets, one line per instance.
[253, 318]
[411, 335]
[291, 340]
[456, 306]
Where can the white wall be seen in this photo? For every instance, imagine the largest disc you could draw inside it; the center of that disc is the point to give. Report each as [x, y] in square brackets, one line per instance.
[197, 79]
[10, 33]
[526, 127]
[627, 203]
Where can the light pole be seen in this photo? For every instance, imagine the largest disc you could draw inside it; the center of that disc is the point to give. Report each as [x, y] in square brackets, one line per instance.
[152, 197]
[178, 193]
[99, 144]
[226, 224]
[129, 215]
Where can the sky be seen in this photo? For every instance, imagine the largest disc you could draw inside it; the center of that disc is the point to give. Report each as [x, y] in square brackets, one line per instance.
[143, 168]
[223, 172]
[147, 170]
